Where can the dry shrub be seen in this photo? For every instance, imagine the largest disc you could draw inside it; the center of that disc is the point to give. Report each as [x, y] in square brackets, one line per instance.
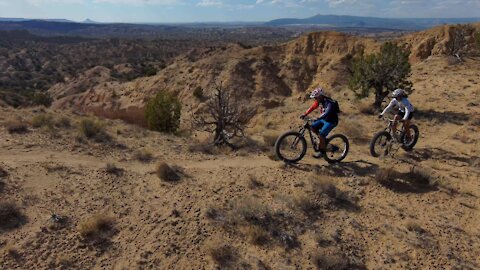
[43, 120]
[258, 236]
[305, 203]
[113, 169]
[385, 175]
[166, 173]
[367, 108]
[253, 182]
[214, 214]
[250, 209]
[94, 130]
[260, 220]
[421, 176]
[337, 196]
[10, 215]
[326, 261]
[63, 122]
[222, 254]
[143, 155]
[97, 228]
[16, 127]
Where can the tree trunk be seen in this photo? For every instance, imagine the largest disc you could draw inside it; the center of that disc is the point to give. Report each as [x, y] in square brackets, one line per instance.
[379, 97]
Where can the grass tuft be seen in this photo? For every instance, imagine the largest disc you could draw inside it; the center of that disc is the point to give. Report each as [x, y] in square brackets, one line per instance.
[385, 175]
[143, 155]
[166, 173]
[43, 120]
[113, 169]
[331, 262]
[97, 228]
[222, 254]
[94, 130]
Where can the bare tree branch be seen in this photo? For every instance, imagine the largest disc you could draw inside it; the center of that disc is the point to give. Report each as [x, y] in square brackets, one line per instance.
[223, 115]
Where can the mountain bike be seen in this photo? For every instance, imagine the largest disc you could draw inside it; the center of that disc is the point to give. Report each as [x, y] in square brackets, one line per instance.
[291, 147]
[383, 142]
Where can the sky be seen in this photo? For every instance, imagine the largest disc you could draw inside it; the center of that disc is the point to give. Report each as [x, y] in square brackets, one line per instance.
[171, 11]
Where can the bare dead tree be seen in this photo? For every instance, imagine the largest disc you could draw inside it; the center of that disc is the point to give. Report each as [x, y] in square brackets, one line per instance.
[223, 115]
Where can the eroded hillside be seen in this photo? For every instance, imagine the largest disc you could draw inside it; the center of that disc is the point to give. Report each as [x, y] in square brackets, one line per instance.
[107, 202]
[105, 194]
[263, 76]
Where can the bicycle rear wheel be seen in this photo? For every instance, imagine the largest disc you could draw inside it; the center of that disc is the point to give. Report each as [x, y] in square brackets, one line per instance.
[291, 147]
[380, 144]
[409, 143]
[337, 148]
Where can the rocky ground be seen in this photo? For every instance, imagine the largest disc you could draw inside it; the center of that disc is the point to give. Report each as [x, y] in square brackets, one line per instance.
[72, 202]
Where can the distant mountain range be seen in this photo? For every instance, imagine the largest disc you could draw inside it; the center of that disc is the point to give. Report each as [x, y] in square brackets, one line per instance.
[370, 22]
[23, 20]
[350, 24]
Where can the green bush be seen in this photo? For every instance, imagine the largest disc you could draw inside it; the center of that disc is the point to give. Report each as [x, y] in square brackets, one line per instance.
[43, 120]
[163, 113]
[381, 72]
[149, 71]
[95, 130]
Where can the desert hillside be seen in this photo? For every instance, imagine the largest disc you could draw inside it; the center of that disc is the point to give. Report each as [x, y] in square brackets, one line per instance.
[264, 75]
[79, 192]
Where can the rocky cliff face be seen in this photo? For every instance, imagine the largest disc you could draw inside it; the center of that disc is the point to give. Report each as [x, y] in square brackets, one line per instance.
[442, 41]
[260, 75]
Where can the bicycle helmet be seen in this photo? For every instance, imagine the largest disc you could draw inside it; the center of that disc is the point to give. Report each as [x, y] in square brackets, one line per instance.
[317, 93]
[398, 93]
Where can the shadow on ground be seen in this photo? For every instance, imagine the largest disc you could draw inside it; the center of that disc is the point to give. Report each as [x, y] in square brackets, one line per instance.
[423, 154]
[442, 117]
[408, 183]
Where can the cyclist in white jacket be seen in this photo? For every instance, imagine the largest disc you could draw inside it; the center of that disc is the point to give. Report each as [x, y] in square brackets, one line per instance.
[404, 112]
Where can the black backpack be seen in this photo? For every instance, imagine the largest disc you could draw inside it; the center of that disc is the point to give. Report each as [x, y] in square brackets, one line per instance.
[336, 106]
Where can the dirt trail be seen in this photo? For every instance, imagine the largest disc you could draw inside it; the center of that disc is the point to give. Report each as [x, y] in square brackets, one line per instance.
[15, 157]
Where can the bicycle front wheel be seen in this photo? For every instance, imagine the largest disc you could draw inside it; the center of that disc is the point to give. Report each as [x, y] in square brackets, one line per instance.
[337, 148]
[380, 143]
[291, 147]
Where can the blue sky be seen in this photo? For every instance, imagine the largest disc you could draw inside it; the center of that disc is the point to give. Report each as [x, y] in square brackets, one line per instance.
[231, 10]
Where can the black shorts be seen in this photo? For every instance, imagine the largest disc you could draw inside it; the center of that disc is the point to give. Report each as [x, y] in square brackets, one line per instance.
[402, 114]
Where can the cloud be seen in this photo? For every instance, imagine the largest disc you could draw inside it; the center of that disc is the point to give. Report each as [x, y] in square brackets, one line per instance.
[41, 2]
[288, 3]
[227, 4]
[209, 3]
[140, 2]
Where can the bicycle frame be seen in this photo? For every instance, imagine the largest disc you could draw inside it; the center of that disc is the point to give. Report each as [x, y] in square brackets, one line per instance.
[307, 126]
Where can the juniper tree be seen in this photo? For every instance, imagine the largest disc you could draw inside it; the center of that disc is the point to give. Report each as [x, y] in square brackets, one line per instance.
[381, 72]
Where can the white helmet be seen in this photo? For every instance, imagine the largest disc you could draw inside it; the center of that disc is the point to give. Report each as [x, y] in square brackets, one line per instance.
[317, 93]
[397, 93]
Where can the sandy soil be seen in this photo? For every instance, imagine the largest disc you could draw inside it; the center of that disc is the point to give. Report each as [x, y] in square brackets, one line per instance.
[244, 210]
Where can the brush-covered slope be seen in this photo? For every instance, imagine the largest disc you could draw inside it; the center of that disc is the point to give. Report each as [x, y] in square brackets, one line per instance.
[261, 75]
